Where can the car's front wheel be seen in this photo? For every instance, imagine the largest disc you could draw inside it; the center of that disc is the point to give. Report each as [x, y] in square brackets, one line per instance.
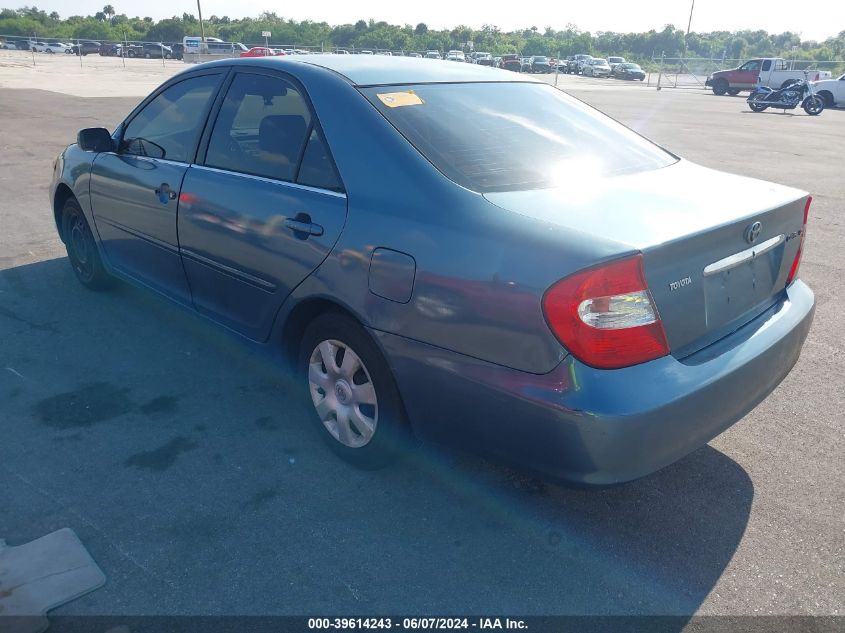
[359, 411]
[720, 87]
[81, 248]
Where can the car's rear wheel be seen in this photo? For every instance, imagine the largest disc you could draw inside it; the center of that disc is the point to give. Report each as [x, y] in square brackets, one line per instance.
[733, 91]
[81, 248]
[147, 55]
[358, 407]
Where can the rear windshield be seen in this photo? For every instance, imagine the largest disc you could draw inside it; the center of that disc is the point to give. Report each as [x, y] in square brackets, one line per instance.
[511, 136]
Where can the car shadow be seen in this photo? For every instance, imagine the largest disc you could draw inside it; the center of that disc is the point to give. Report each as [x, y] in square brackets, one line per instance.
[160, 438]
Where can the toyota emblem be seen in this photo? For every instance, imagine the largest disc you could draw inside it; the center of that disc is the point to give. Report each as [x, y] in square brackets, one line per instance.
[753, 232]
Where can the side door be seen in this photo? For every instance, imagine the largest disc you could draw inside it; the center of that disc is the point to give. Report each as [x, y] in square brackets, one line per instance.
[765, 74]
[746, 76]
[839, 91]
[135, 190]
[263, 208]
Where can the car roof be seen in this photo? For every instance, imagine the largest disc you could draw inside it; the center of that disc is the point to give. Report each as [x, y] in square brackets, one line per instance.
[372, 70]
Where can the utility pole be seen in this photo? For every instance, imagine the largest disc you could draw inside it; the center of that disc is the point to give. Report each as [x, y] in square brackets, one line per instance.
[689, 25]
[202, 28]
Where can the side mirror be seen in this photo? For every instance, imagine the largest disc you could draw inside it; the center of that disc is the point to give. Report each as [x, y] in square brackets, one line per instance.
[95, 139]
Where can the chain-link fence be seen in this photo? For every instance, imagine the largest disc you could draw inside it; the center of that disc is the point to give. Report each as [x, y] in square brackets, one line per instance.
[692, 72]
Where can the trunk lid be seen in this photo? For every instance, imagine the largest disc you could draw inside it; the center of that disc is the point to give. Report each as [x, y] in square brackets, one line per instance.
[707, 274]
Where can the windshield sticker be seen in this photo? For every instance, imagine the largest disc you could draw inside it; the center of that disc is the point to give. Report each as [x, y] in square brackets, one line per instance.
[400, 99]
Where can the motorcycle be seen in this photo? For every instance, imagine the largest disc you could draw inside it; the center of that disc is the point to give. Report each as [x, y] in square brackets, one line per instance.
[787, 98]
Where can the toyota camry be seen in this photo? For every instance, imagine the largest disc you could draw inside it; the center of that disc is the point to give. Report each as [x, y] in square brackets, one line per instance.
[451, 252]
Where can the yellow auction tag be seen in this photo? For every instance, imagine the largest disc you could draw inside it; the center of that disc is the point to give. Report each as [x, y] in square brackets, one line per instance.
[399, 99]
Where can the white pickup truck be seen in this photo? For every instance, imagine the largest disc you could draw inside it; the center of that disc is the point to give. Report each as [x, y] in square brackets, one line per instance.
[773, 72]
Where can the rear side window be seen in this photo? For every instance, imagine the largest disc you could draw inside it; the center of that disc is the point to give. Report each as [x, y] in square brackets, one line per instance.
[169, 125]
[317, 169]
[767, 64]
[261, 128]
[512, 136]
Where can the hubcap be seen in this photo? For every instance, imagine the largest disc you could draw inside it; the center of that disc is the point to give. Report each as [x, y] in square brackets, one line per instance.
[81, 248]
[343, 393]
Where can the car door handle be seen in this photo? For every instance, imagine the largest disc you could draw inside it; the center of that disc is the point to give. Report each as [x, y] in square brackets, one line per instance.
[165, 193]
[303, 225]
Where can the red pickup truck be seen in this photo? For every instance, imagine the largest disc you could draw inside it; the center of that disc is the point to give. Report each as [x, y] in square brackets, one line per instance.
[768, 71]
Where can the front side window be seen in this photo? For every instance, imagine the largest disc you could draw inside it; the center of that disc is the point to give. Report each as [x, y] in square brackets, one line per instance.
[261, 128]
[751, 66]
[512, 136]
[169, 125]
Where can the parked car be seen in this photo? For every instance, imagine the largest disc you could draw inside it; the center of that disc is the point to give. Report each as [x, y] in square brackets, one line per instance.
[511, 62]
[150, 50]
[417, 55]
[111, 50]
[628, 70]
[595, 324]
[85, 48]
[772, 72]
[432, 55]
[484, 59]
[57, 48]
[21, 45]
[614, 61]
[365, 52]
[178, 49]
[576, 66]
[540, 64]
[832, 91]
[455, 56]
[596, 67]
[38, 47]
[260, 51]
[525, 64]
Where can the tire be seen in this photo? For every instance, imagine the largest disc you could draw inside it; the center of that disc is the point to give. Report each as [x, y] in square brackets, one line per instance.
[147, 56]
[813, 105]
[50, 51]
[167, 56]
[82, 249]
[733, 91]
[756, 107]
[720, 87]
[131, 54]
[827, 97]
[376, 432]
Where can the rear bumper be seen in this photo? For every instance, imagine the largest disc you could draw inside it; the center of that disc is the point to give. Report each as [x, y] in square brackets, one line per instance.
[595, 426]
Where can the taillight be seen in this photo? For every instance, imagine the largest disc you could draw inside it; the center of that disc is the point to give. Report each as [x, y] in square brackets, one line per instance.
[605, 316]
[796, 263]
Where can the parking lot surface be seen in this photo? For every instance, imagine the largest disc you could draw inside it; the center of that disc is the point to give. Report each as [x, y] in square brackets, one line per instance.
[189, 466]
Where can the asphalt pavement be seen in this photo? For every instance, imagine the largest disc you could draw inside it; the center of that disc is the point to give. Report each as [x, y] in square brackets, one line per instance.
[189, 465]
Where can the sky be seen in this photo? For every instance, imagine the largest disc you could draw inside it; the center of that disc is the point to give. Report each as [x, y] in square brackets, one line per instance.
[815, 21]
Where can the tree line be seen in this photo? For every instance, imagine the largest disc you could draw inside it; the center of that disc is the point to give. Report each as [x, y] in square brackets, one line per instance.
[108, 25]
